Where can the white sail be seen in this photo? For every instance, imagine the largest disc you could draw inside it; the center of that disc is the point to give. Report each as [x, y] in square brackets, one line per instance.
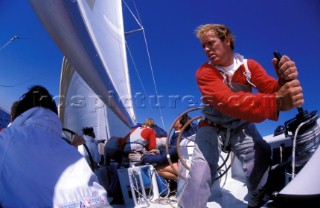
[96, 49]
[80, 107]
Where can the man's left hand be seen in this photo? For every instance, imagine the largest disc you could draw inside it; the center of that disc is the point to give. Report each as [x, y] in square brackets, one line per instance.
[286, 69]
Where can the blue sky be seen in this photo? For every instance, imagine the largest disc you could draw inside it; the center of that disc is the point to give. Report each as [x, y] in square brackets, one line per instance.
[260, 27]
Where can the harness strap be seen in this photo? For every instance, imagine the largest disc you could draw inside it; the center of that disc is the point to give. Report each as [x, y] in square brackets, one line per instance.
[247, 73]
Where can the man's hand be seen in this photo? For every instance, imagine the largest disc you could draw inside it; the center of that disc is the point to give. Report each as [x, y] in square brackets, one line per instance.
[154, 152]
[289, 96]
[135, 157]
[77, 140]
[286, 69]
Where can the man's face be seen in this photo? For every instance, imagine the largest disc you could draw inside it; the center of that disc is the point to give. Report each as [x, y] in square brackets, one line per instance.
[215, 49]
[177, 125]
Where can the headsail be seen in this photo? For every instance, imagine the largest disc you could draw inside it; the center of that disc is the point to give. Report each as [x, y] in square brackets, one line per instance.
[81, 107]
[91, 35]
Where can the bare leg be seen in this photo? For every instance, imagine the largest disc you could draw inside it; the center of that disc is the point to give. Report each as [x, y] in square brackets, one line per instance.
[167, 172]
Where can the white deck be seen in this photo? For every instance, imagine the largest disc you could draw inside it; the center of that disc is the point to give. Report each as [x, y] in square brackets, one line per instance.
[231, 195]
[231, 192]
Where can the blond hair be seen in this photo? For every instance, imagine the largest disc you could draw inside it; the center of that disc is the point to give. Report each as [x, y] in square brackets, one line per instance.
[220, 30]
[149, 122]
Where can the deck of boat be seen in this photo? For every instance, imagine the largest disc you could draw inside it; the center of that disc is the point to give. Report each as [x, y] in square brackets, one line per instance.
[232, 194]
[229, 191]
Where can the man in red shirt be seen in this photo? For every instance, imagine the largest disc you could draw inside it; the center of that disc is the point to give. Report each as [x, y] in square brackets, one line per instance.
[230, 110]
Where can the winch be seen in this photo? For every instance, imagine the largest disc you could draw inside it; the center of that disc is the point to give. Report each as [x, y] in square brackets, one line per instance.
[305, 133]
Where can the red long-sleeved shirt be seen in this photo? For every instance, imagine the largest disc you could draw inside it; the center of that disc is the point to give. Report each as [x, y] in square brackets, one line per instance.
[243, 105]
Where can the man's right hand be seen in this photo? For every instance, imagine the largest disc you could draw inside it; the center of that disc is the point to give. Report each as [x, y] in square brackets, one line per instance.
[289, 96]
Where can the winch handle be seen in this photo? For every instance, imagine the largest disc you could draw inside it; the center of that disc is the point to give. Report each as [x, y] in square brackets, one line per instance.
[278, 56]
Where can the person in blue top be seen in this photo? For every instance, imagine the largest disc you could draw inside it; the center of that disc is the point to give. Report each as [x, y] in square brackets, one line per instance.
[37, 167]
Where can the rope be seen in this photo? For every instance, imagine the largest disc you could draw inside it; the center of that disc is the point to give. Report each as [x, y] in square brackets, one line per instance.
[23, 82]
[307, 137]
[139, 22]
[15, 37]
[143, 199]
[139, 77]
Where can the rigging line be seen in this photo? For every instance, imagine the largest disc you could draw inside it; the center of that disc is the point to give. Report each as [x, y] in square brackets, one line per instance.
[150, 64]
[139, 77]
[133, 14]
[20, 83]
[153, 79]
[15, 37]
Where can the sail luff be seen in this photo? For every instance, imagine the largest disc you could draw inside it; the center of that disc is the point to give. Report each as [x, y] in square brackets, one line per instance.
[65, 77]
[64, 23]
[106, 18]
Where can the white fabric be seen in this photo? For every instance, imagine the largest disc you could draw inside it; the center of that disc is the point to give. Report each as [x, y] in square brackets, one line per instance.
[39, 169]
[161, 142]
[238, 60]
[136, 142]
[93, 148]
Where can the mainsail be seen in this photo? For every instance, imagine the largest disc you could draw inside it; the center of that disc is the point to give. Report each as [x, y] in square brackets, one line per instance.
[90, 33]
